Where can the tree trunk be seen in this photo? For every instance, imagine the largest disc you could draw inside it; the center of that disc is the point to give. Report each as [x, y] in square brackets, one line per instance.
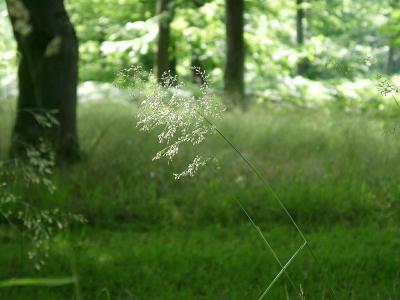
[389, 61]
[195, 62]
[299, 22]
[162, 61]
[173, 59]
[235, 52]
[47, 76]
[300, 17]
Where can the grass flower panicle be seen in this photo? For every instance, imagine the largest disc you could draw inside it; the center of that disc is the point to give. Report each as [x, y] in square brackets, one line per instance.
[385, 86]
[178, 116]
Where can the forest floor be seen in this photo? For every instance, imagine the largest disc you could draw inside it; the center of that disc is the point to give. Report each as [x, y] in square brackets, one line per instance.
[149, 236]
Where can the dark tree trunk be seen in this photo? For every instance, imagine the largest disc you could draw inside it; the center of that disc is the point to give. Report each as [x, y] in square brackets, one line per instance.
[302, 64]
[390, 60]
[162, 61]
[47, 75]
[299, 22]
[235, 52]
[195, 61]
[173, 60]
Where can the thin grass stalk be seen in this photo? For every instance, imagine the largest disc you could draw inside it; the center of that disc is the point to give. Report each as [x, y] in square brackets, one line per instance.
[269, 189]
[268, 245]
[282, 271]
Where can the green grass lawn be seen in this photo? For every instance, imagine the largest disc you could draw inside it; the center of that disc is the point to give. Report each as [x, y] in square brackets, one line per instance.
[215, 262]
[149, 236]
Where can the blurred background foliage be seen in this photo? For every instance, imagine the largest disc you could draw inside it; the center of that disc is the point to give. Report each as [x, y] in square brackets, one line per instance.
[339, 36]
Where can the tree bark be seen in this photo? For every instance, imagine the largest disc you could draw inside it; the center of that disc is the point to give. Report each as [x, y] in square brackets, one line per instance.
[162, 61]
[47, 76]
[235, 52]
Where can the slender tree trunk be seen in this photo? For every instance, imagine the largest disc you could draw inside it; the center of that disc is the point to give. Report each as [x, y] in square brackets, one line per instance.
[300, 18]
[390, 60]
[162, 61]
[173, 59]
[195, 61]
[47, 76]
[299, 22]
[235, 52]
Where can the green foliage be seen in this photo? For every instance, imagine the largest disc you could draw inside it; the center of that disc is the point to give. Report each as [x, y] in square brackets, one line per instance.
[391, 28]
[345, 31]
[110, 37]
[7, 52]
[200, 31]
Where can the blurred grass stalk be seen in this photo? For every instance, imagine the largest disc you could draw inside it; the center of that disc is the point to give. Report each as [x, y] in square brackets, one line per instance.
[47, 282]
